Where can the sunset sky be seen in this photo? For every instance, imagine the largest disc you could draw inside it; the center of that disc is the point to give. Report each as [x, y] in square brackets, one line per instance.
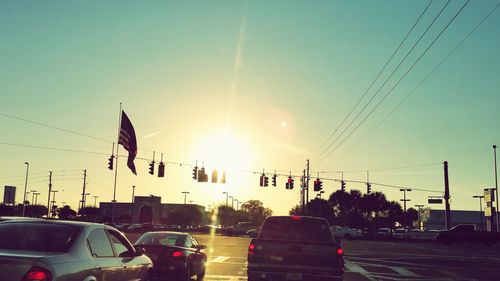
[247, 86]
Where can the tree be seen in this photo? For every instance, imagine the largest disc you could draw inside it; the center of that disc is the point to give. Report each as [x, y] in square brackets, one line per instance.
[321, 208]
[296, 211]
[7, 210]
[257, 213]
[36, 211]
[185, 215]
[411, 216]
[65, 212]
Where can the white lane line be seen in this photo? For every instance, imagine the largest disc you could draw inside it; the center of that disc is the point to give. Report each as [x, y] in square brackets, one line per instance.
[358, 269]
[225, 277]
[403, 271]
[220, 259]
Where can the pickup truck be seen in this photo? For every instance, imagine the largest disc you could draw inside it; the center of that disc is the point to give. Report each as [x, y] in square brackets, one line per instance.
[467, 233]
[295, 248]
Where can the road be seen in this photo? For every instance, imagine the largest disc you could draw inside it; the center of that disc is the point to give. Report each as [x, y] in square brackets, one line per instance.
[371, 260]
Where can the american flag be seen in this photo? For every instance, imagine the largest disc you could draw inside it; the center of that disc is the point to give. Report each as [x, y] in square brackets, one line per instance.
[128, 140]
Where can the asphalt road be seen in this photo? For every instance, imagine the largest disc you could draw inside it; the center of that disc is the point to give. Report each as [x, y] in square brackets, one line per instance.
[371, 260]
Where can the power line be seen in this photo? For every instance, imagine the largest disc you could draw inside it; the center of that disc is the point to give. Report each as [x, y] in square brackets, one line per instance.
[398, 82]
[431, 73]
[386, 80]
[376, 78]
[384, 169]
[383, 184]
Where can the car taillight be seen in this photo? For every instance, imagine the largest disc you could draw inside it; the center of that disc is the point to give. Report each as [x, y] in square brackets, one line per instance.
[340, 251]
[251, 249]
[177, 254]
[38, 274]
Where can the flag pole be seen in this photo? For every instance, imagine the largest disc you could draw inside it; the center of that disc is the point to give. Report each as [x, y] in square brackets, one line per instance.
[116, 165]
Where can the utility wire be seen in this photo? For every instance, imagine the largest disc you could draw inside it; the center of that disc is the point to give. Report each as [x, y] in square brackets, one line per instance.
[386, 80]
[382, 169]
[376, 78]
[430, 74]
[397, 83]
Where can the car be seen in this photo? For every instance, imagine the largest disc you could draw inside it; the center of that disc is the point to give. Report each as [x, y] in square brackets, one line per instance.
[399, 233]
[8, 218]
[240, 228]
[253, 232]
[345, 232]
[70, 251]
[384, 233]
[175, 255]
[207, 229]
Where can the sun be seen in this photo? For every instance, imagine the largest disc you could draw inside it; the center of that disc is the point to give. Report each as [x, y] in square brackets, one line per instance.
[224, 151]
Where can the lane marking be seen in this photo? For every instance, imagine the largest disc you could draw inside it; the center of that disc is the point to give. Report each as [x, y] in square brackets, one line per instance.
[226, 277]
[403, 271]
[358, 269]
[220, 259]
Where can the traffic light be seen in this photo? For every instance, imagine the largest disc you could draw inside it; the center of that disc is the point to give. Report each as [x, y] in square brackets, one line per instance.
[318, 185]
[289, 183]
[368, 188]
[274, 179]
[202, 176]
[161, 170]
[342, 185]
[195, 172]
[152, 168]
[266, 181]
[214, 176]
[223, 179]
[110, 162]
[261, 180]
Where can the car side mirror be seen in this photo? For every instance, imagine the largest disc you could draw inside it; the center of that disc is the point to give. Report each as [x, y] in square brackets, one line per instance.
[139, 251]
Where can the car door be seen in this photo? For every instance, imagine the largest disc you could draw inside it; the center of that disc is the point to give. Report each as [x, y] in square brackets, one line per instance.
[107, 266]
[197, 256]
[132, 266]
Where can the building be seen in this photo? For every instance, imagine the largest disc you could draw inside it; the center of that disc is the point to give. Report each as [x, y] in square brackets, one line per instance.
[435, 219]
[146, 209]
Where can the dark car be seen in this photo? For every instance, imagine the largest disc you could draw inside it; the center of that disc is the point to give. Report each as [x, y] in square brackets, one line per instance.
[2, 219]
[175, 255]
[39, 250]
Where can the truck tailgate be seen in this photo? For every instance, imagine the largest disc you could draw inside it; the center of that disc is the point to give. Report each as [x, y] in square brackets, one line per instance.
[294, 256]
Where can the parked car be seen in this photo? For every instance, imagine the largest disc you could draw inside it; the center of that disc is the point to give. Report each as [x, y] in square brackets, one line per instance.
[70, 251]
[175, 255]
[295, 248]
[345, 232]
[384, 233]
[207, 229]
[467, 233]
[253, 232]
[136, 227]
[240, 228]
[399, 233]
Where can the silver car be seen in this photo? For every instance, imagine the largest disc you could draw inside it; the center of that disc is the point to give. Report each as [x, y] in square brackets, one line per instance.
[69, 251]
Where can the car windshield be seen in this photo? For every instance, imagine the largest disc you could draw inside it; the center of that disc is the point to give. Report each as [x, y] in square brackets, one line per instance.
[296, 230]
[165, 239]
[37, 237]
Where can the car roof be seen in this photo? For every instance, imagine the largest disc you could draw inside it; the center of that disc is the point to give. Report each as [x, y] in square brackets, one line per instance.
[167, 232]
[60, 222]
[9, 218]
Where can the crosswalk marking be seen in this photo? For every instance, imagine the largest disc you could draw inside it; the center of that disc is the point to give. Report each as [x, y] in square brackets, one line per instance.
[403, 271]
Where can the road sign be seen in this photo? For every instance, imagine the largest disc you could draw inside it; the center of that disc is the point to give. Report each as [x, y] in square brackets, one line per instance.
[435, 201]
[489, 195]
[9, 195]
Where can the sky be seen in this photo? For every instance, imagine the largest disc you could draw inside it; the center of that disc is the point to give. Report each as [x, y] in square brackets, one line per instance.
[247, 87]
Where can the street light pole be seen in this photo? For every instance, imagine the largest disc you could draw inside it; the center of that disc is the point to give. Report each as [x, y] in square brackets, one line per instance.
[185, 196]
[227, 198]
[95, 200]
[36, 197]
[496, 184]
[480, 208]
[419, 214]
[133, 192]
[25, 187]
[32, 196]
[404, 204]
[232, 201]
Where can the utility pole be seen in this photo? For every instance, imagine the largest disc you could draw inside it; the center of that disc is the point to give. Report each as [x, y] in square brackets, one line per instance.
[83, 189]
[25, 187]
[307, 185]
[303, 189]
[50, 190]
[496, 185]
[185, 196]
[133, 192]
[404, 206]
[447, 196]
[480, 208]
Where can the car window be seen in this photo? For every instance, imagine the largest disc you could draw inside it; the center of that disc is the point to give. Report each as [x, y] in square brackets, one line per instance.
[161, 238]
[195, 243]
[188, 243]
[41, 237]
[99, 244]
[121, 246]
[297, 230]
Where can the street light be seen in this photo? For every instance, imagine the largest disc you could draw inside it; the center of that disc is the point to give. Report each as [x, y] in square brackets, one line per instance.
[227, 198]
[32, 196]
[36, 197]
[95, 200]
[480, 208]
[53, 199]
[25, 187]
[232, 201]
[185, 196]
[133, 192]
[419, 213]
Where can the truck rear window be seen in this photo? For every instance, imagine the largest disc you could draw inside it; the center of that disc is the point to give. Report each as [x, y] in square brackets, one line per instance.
[310, 230]
[38, 237]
